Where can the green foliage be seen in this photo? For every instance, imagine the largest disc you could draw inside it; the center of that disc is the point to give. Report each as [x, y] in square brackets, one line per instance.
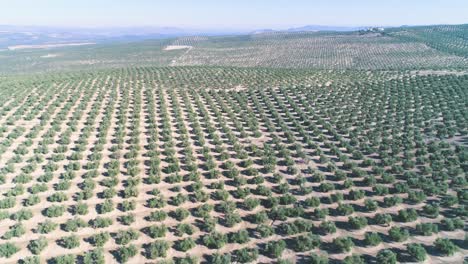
[57, 197]
[64, 259]
[46, 227]
[386, 256]
[431, 211]
[156, 249]
[217, 258]
[124, 237]
[264, 230]
[344, 209]
[23, 214]
[80, 209]
[69, 242]
[128, 205]
[353, 259]
[383, 219]
[37, 245]
[184, 244]
[157, 216]
[101, 222]
[327, 227]
[32, 200]
[72, 225]
[245, 255]
[342, 244]
[452, 224]
[123, 254]
[274, 249]
[370, 205]
[187, 259]
[398, 234]
[106, 207]
[180, 214]
[215, 240]
[8, 249]
[427, 229]
[30, 260]
[99, 239]
[155, 231]
[127, 219]
[317, 259]
[417, 252]
[7, 203]
[95, 256]
[240, 237]
[372, 239]
[16, 230]
[358, 222]
[54, 211]
[306, 242]
[445, 246]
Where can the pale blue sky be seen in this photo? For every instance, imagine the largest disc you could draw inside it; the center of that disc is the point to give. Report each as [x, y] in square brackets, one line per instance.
[231, 14]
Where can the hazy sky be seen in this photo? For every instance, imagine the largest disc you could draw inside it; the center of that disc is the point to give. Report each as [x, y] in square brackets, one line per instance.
[231, 14]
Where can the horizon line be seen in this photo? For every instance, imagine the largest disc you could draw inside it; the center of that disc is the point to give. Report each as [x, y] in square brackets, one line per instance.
[253, 27]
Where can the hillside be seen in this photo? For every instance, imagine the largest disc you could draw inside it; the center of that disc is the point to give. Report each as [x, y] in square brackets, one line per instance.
[431, 47]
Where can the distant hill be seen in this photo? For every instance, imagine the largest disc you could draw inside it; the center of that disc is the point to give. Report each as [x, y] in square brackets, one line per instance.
[11, 35]
[36, 35]
[324, 28]
[423, 47]
[261, 31]
[311, 28]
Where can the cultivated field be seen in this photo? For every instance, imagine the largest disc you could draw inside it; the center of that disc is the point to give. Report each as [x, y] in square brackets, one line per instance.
[223, 165]
[318, 51]
[406, 48]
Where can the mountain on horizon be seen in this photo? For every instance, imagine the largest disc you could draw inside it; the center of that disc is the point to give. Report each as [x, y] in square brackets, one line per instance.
[325, 28]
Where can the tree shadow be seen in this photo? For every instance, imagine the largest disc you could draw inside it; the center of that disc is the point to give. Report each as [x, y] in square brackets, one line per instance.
[461, 243]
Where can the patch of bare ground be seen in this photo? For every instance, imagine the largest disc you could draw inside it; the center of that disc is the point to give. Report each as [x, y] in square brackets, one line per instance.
[50, 55]
[438, 72]
[177, 47]
[49, 46]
